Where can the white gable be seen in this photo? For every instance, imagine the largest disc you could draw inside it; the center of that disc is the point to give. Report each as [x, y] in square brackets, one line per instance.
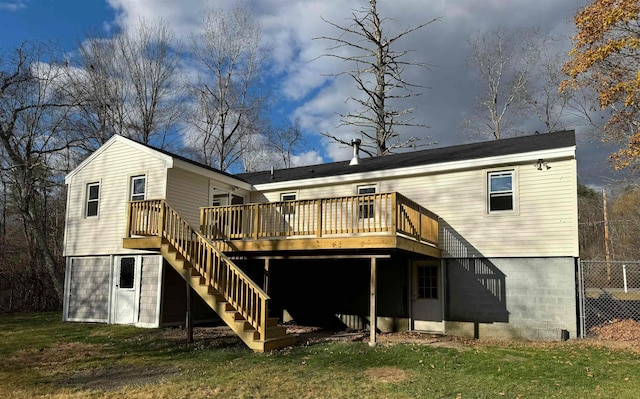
[119, 139]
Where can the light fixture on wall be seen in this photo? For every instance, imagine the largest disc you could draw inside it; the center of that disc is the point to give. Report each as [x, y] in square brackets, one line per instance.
[541, 164]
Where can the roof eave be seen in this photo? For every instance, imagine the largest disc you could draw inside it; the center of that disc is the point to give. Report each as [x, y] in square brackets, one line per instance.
[477, 163]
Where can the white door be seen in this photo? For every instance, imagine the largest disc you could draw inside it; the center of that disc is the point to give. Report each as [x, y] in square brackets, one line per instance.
[126, 288]
[427, 304]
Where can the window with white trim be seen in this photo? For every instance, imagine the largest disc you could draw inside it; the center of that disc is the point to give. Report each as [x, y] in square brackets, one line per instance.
[365, 208]
[93, 199]
[501, 196]
[138, 188]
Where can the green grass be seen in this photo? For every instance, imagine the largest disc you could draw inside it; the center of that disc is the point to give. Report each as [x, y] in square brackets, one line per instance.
[42, 356]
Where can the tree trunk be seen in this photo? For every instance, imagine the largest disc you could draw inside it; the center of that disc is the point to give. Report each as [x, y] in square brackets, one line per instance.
[47, 257]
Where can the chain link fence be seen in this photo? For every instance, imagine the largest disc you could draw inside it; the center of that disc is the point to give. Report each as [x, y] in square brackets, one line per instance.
[608, 291]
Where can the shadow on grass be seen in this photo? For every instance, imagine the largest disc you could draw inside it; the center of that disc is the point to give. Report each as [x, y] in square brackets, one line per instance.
[116, 377]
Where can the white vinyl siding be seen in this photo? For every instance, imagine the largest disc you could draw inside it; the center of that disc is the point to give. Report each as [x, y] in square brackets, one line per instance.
[545, 225]
[113, 168]
[186, 193]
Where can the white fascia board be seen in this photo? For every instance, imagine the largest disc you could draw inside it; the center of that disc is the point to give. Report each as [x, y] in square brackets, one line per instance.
[211, 174]
[116, 138]
[478, 163]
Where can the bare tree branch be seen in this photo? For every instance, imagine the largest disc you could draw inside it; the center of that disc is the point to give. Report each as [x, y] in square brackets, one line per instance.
[127, 85]
[377, 73]
[228, 97]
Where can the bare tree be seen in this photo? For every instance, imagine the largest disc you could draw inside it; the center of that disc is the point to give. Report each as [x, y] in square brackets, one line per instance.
[377, 69]
[228, 98]
[542, 96]
[274, 147]
[33, 110]
[101, 95]
[504, 62]
[624, 223]
[127, 85]
[283, 141]
[590, 223]
[152, 68]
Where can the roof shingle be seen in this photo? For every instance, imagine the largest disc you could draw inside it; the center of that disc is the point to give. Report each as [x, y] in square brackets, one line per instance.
[463, 152]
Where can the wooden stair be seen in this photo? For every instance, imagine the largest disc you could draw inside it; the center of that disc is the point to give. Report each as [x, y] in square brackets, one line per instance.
[239, 302]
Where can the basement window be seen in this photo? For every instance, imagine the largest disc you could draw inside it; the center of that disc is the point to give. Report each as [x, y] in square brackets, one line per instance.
[93, 198]
[501, 191]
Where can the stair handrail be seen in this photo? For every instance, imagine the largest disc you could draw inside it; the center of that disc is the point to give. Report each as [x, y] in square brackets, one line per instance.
[158, 218]
[402, 204]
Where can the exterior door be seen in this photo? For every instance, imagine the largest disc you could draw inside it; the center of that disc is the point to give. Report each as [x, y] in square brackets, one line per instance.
[427, 303]
[126, 288]
[231, 224]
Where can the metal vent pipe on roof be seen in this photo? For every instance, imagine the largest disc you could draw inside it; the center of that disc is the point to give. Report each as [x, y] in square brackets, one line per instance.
[355, 160]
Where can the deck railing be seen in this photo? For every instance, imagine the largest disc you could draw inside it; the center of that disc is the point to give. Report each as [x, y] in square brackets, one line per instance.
[386, 213]
[157, 218]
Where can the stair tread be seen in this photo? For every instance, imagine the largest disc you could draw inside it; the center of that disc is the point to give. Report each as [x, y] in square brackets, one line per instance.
[276, 336]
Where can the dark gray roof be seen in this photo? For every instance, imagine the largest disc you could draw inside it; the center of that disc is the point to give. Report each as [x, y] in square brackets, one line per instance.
[463, 152]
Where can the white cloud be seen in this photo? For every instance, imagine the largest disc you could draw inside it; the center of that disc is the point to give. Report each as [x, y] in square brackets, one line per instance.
[14, 6]
[307, 158]
[290, 26]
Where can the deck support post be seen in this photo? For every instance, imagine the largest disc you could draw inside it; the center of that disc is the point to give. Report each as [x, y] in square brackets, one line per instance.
[188, 317]
[372, 303]
[267, 275]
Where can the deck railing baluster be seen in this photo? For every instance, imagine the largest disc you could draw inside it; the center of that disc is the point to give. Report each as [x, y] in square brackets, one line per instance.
[390, 213]
[156, 218]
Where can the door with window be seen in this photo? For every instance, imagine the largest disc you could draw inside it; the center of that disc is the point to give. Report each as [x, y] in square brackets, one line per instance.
[127, 281]
[230, 223]
[366, 208]
[427, 304]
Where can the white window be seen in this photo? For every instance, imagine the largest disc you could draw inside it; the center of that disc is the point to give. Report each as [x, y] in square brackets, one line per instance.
[288, 209]
[365, 208]
[93, 198]
[501, 191]
[138, 188]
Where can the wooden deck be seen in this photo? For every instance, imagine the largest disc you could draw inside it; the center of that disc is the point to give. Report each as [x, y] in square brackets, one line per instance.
[388, 221]
[367, 226]
[372, 222]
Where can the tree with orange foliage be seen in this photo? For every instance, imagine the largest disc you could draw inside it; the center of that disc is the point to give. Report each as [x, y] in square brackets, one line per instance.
[606, 58]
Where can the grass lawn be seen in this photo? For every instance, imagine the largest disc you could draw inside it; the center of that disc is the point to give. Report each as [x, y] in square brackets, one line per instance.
[42, 356]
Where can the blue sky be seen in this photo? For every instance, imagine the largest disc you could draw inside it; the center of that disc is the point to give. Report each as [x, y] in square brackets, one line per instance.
[62, 21]
[304, 88]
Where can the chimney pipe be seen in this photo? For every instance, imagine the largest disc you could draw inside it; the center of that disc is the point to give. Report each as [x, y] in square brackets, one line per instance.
[355, 160]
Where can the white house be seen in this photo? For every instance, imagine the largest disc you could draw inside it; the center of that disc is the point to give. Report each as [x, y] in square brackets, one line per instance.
[477, 240]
